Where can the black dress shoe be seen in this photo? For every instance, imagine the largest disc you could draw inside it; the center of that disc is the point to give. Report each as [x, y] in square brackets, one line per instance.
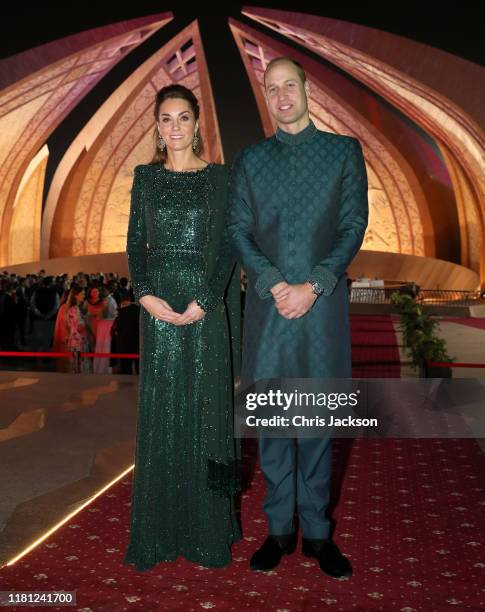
[269, 555]
[331, 560]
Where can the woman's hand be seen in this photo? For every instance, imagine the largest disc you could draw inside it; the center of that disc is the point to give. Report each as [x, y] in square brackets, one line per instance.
[192, 314]
[160, 309]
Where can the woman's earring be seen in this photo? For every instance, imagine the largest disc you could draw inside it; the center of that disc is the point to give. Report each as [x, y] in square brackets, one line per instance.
[196, 141]
[161, 143]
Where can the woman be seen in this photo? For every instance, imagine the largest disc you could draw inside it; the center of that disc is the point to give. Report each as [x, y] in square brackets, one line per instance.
[97, 308]
[77, 328]
[186, 456]
[59, 343]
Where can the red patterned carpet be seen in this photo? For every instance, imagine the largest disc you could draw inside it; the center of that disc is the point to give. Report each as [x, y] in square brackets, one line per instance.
[374, 347]
[410, 517]
[477, 322]
[409, 514]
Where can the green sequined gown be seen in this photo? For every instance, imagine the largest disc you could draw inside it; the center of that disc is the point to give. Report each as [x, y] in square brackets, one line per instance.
[184, 477]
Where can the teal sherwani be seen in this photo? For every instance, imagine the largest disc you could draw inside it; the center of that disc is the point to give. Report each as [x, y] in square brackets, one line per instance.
[298, 211]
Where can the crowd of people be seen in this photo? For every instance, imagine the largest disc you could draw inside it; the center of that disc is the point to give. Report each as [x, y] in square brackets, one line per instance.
[44, 313]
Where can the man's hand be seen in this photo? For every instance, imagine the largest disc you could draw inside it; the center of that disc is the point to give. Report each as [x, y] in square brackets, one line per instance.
[280, 291]
[160, 309]
[297, 301]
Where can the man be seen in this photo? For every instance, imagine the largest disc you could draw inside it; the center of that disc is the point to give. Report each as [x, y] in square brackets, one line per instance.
[125, 332]
[297, 219]
[44, 305]
[21, 310]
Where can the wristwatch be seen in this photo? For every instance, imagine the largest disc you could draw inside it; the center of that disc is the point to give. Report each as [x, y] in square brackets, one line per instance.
[316, 287]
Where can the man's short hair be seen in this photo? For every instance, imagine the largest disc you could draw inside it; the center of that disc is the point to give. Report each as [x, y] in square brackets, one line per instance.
[290, 60]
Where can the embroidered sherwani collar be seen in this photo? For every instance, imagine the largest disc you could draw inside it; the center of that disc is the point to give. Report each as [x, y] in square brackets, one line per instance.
[296, 139]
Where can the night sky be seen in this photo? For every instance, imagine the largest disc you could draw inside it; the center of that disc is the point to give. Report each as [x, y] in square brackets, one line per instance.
[458, 29]
[30, 25]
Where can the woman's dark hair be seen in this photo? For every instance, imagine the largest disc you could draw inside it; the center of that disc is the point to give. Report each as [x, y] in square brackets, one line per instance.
[100, 294]
[64, 296]
[74, 291]
[178, 92]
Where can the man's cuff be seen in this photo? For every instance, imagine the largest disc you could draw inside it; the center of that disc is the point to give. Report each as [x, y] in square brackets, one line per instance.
[324, 278]
[266, 281]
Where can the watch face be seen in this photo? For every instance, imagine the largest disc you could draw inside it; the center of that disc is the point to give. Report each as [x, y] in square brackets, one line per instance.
[317, 288]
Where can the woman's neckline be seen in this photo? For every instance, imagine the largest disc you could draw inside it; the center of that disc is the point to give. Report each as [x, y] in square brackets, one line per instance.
[194, 171]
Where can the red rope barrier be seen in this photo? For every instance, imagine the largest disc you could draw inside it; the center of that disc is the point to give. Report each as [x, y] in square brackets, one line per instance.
[117, 355]
[137, 355]
[443, 364]
[34, 354]
[66, 354]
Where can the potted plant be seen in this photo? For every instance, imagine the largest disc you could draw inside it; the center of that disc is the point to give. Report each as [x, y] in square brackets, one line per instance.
[420, 336]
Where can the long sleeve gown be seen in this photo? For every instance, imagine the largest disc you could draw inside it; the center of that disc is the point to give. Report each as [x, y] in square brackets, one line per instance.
[186, 455]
